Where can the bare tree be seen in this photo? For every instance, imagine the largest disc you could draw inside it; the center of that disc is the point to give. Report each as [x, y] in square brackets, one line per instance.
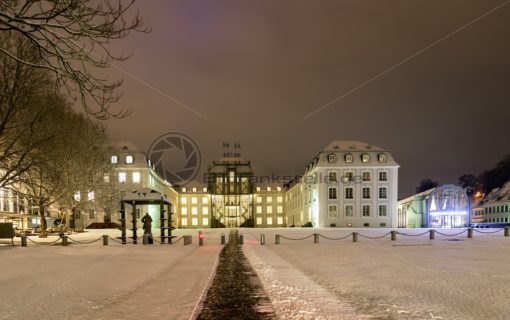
[22, 88]
[72, 40]
[73, 162]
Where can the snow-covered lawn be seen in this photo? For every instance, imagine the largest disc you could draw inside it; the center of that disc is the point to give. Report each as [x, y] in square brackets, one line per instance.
[410, 278]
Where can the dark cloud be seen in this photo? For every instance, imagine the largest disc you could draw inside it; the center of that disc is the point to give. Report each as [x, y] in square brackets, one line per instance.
[255, 69]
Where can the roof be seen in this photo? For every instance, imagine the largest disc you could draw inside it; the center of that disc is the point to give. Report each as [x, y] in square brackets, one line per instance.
[351, 145]
[145, 195]
[499, 194]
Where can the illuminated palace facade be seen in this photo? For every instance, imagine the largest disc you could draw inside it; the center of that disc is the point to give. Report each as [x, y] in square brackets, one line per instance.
[347, 184]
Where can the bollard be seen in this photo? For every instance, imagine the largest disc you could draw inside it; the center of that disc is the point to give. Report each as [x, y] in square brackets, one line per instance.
[23, 240]
[241, 238]
[146, 239]
[277, 239]
[222, 239]
[432, 234]
[315, 238]
[105, 240]
[354, 237]
[200, 238]
[262, 239]
[470, 233]
[393, 235]
[64, 240]
[507, 231]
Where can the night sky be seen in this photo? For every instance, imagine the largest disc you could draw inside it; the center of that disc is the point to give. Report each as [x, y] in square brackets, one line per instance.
[253, 70]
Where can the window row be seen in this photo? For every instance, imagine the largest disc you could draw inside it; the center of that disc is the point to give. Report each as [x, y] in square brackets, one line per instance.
[269, 221]
[269, 209]
[194, 200]
[505, 219]
[365, 158]
[496, 209]
[366, 176]
[135, 177]
[349, 193]
[382, 210]
[194, 190]
[269, 199]
[194, 222]
[129, 159]
[194, 210]
[269, 189]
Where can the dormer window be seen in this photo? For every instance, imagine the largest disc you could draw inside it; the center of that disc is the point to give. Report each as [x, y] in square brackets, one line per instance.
[129, 159]
[114, 159]
[382, 157]
[365, 158]
[331, 158]
[348, 158]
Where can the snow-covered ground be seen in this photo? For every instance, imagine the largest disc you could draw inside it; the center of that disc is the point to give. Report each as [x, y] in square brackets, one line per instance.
[410, 278]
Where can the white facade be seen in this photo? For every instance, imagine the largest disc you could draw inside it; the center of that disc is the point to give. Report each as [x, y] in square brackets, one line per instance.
[348, 184]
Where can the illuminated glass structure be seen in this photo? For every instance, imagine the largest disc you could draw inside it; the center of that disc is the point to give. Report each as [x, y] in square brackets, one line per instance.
[446, 206]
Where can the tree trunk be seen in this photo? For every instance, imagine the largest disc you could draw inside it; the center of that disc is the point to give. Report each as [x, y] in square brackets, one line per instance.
[43, 233]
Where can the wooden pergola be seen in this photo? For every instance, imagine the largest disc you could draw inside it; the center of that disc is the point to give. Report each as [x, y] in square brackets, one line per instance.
[146, 196]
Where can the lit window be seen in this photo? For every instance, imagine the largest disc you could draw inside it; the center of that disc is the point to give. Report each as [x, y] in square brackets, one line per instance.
[259, 209]
[194, 210]
[194, 189]
[184, 200]
[122, 177]
[365, 158]
[279, 220]
[348, 158]
[136, 177]
[90, 195]
[269, 199]
[279, 199]
[366, 176]
[259, 199]
[259, 221]
[129, 159]
[258, 189]
[383, 176]
[106, 178]
[269, 209]
[383, 193]
[204, 189]
[279, 209]
[383, 209]
[115, 159]
[331, 158]
[366, 193]
[184, 221]
[268, 189]
[332, 176]
[381, 157]
[278, 188]
[366, 210]
[348, 176]
[349, 193]
[205, 200]
[184, 210]
[332, 193]
[332, 211]
[205, 210]
[194, 200]
[183, 189]
[77, 196]
[205, 221]
[194, 221]
[349, 210]
[269, 220]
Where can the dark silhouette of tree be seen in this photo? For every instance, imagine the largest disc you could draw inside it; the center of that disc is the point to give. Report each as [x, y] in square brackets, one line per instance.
[71, 39]
[497, 176]
[468, 181]
[426, 184]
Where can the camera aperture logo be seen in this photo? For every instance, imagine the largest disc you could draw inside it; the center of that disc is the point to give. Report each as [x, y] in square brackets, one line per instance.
[176, 157]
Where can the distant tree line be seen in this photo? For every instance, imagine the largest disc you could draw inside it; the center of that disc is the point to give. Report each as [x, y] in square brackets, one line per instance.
[485, 182]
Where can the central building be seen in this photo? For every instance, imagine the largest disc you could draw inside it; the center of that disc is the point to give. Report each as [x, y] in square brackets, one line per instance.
[230, 183]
